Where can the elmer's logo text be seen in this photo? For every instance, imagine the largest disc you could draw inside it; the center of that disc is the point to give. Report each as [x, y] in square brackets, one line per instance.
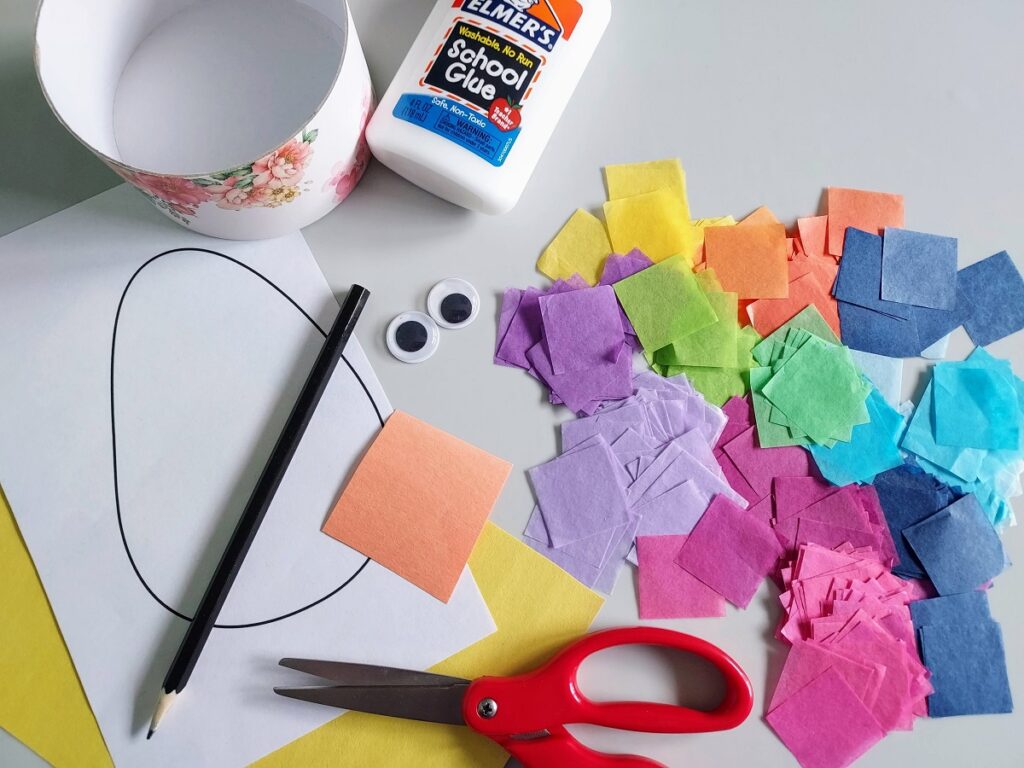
[542, 22]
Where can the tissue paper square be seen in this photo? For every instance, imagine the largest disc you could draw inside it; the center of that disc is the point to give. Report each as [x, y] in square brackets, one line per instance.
[868, 211]
[860, 275]
[968, 666]
[655, 222]
[824, 724]
[664, 303]
[958, 547]
[750, 260]
[919, 268]
[582, 328]
[976, 406]
[580, 493]
[581, 248]
[666, 591]
[994, 296]
[631, 179]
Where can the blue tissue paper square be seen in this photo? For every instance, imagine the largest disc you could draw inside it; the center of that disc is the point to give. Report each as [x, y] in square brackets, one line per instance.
[871, 331]
[994, 293]
[976, 405]
[933, 325]
[958, 547]
[859, 280]
[908, 496]
[919, 269]
[919, 439]
[966, 608]
[968, 666]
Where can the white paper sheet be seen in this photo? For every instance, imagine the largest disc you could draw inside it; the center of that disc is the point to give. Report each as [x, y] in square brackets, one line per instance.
[210, 352]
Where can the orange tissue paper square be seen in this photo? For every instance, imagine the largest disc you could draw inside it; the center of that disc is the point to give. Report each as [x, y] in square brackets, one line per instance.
[417, 503]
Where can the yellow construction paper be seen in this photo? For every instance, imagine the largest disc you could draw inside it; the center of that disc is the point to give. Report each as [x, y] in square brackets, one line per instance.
[580, 247]
[43, 704]
[631, 179]
[538, 608]
[655, 222]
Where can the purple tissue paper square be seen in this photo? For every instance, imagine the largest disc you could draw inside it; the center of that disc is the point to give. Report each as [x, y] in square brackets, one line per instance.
[582, 328]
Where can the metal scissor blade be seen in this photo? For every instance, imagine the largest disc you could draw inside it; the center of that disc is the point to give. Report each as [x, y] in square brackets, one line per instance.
[430, 703]
[347, 673]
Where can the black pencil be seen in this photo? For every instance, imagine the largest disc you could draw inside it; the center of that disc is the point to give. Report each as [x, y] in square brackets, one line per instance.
[256, 508]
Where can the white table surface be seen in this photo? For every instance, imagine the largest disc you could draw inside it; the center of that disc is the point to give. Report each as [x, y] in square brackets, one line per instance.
[766, 103]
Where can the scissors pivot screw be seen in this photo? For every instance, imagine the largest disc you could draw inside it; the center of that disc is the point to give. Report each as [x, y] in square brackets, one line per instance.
[487, 708]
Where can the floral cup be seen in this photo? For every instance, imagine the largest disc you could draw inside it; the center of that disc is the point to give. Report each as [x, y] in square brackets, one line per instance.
[295, 182]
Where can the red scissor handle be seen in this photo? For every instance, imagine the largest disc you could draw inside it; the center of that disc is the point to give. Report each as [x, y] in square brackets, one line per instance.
[550, 697]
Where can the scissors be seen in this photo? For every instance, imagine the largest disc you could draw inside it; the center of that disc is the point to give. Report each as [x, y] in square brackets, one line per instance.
[527, 714]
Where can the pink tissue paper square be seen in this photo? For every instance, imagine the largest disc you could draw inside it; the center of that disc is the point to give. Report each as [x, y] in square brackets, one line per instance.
[825, 724]
[666, 591]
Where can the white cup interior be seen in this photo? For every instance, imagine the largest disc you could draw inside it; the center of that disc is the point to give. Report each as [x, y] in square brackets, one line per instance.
[188, 87]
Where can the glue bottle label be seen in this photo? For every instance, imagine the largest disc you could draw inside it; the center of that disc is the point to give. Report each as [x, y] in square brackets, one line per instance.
[479, 82]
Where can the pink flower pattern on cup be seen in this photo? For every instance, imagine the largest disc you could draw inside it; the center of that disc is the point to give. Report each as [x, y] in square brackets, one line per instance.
[269, 182]
[177, 194]
[345, 175]
[274, 180]
[283, 167]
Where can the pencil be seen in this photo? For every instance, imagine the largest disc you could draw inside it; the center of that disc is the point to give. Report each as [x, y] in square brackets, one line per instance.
[256, 508]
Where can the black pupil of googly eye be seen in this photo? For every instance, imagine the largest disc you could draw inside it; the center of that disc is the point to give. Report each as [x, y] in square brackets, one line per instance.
[411, 336]
[456, 308]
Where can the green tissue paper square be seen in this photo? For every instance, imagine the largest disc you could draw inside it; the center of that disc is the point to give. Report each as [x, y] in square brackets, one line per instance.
[808, 319]
[710, 347]
[820, 391]
[664, 303]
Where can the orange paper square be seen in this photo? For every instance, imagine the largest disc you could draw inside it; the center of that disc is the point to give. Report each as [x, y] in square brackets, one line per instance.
[767, 315]
[824, 268]
[869, 211]
[750, 260]
[417, 502]
[762, 215]
[813, 233]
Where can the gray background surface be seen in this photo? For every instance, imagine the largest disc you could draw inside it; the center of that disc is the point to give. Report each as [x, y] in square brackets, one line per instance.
[766, 103]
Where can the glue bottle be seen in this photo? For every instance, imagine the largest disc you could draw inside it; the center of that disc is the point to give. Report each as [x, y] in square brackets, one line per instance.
[473, 105]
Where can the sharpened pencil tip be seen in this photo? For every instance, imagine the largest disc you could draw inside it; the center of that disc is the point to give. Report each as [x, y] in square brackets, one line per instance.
[166, 699]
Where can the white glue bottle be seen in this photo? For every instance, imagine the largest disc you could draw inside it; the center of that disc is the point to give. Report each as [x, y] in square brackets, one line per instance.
[476, 99]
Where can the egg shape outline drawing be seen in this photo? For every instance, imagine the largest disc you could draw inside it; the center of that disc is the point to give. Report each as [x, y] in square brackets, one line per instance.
[127, 338]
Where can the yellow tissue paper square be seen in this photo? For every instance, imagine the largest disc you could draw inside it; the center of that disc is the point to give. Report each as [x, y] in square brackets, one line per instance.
[655, 222]
[629, 179]
[580, 247]
[43, 704]
[715, 221]
[538, 608]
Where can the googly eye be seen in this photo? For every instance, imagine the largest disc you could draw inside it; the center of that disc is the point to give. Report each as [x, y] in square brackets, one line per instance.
[453, 303]
[412, 337]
